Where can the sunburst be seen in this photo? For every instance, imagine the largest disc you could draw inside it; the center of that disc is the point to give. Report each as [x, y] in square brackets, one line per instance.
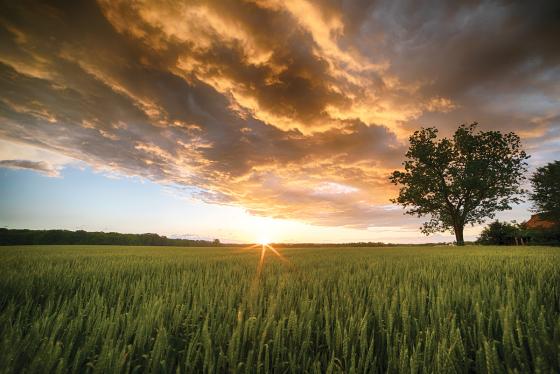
[265, 247]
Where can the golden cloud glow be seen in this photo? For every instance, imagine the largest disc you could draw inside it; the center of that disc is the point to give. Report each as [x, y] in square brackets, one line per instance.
[290, 109]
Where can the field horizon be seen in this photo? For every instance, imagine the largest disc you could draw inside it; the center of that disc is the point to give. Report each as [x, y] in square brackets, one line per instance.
[18, 236]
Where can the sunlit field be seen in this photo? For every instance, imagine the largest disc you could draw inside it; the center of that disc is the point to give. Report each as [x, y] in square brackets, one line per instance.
[162, 309]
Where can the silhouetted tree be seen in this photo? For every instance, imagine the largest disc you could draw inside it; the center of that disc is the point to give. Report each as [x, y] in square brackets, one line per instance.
[546, 191]
[462, 180]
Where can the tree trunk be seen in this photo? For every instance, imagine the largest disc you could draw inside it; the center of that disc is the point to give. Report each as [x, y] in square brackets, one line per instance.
[459, 235]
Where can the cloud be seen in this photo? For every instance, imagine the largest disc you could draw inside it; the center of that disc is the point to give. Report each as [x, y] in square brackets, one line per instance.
[39, 166]
[489, 59]
[290, 109]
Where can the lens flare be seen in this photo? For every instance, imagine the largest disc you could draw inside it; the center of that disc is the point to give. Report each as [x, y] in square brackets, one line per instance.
[263, 246]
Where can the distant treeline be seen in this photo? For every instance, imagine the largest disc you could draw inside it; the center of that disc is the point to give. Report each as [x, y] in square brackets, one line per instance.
[353, 245]
[45, 237]
[330, 245]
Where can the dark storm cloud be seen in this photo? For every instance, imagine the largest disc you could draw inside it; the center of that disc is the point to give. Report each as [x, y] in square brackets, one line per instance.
[288, 108]
[463, 45]
[499, 62]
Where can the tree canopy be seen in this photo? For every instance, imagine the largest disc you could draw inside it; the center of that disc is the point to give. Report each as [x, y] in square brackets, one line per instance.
[460, 180]
[546, 191]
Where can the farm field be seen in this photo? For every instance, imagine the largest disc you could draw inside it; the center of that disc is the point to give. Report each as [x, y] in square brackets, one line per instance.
[353, 310]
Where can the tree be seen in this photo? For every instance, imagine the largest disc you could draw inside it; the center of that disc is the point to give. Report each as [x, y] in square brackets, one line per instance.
[500, 233]
[546, 191]
[462, 180]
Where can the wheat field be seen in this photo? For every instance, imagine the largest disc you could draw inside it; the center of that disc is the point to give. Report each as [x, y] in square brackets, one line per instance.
[104, 309]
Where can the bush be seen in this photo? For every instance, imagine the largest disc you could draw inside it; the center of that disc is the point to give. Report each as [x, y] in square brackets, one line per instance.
[499, 233]
[544, 236]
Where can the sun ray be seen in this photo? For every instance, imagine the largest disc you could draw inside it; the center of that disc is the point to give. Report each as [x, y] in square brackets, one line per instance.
[280, 256]
[253, 291]
[261, 261]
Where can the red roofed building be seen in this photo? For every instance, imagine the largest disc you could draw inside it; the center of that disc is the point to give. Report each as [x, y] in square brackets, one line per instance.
[538, 223]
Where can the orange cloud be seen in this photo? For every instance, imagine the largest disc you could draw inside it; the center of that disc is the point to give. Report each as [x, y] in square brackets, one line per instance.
[292, 109]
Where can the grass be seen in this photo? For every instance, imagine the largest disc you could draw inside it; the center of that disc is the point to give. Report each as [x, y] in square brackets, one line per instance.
[162, 309]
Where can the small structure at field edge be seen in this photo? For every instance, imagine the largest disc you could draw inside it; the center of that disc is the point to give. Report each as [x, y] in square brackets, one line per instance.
[537, 222]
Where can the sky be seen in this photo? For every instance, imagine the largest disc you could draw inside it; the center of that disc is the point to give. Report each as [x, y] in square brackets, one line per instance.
[261, 118]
